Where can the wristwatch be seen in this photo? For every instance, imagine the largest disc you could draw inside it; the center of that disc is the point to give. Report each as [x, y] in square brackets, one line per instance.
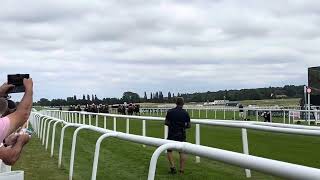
[4, 143]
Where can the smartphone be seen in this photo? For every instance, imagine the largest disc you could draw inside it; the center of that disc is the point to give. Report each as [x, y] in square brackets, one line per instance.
[29, 131]
[17, 81]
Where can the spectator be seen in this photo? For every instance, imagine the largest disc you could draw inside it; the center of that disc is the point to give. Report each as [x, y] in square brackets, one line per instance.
[178, 120]
[267, 117]
[78, 108]
[130, 109]
[10, 123]
[241, 112]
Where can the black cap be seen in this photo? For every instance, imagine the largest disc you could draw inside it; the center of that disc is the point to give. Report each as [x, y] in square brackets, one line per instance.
[11, 105]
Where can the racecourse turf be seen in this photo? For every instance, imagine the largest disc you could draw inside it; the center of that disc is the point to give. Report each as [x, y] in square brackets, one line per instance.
[126, 160]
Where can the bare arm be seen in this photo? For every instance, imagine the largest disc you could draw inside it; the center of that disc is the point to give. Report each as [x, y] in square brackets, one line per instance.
[10, 155]
[21, 115]
[4, 89]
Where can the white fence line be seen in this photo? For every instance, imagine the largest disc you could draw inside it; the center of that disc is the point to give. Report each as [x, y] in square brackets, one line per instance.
[242, 160]
[155, 111]
[274, 127]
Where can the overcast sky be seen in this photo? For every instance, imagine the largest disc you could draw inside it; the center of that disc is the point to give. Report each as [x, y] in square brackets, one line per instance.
[106, 47]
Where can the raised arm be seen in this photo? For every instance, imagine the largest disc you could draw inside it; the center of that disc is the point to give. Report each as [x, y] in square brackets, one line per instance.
[21, 115]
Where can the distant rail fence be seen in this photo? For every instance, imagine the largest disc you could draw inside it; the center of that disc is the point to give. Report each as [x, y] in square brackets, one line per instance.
[288, 115]
[83, 120]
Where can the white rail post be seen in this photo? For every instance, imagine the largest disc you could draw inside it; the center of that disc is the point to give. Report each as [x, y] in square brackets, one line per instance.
[309, 114]
[234, 114]
[144, 129]
[192, 113]
[207, 113]
[97, 153]
[97, 118]
[79, 117]
[105, 122]
[289, 119]
[270, 116]
[114, 123]
[166, 132]
[84, 118]
[245, 148]
[284, 116]
[48, 133]
[215, 114]
[197, 140]
[53, 136]
[199, 113]
[224, 113]
[257, 115]
[73, 119]
[89, 119]
[128, 126]
[76, 117]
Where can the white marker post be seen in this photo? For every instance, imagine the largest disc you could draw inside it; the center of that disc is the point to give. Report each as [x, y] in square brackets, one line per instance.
[309, 114]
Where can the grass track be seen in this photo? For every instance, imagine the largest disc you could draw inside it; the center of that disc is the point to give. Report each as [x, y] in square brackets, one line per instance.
[125, 160]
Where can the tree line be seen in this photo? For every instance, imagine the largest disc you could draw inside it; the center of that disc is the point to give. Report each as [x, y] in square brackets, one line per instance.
[288, 91]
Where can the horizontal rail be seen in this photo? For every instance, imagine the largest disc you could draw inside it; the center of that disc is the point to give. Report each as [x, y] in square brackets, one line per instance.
[287, 170]
[272, 127]
[273, 167]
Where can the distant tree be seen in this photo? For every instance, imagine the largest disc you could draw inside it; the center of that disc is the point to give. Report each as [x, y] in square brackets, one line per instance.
[70, 101]
[145, 98]
[161, 97]
[288, 91]
[44, 102]
[130, 97]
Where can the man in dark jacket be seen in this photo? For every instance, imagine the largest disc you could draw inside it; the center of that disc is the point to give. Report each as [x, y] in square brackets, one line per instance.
[178, 120]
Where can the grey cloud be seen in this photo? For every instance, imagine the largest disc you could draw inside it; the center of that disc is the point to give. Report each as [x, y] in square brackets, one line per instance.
[74, 47]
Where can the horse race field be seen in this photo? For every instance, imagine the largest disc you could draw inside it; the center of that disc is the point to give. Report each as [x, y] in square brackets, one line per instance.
[125, 160]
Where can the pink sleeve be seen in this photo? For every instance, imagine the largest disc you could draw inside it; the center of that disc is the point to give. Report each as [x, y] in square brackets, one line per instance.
[4, 128]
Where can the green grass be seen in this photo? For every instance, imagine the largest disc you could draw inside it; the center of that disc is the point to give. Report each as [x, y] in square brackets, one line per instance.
[125, 160]
[272, 102]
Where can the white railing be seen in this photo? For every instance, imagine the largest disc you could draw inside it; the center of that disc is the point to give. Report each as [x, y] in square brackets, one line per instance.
[70, 116]
[314, 131]
[247, 161]
[197, 112]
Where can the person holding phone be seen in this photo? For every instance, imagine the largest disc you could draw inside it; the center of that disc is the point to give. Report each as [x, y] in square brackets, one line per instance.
[13, 121]
[10, 123]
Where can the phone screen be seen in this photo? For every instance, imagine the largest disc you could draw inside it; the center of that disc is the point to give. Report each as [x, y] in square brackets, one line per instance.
[17, 81]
